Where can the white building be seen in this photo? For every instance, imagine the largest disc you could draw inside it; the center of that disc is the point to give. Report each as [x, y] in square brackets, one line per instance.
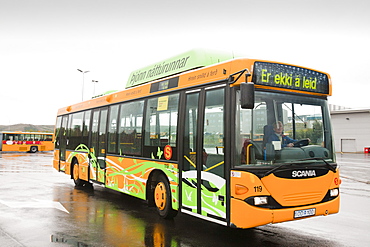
[351, 129]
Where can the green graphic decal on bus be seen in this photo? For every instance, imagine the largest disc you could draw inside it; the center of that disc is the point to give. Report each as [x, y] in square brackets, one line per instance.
[133, 178]
[213, 187]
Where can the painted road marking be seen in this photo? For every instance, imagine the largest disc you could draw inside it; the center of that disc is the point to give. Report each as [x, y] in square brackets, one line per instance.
[35, 204]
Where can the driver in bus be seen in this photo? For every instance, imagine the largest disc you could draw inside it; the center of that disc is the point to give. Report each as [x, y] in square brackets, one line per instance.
[285, 141]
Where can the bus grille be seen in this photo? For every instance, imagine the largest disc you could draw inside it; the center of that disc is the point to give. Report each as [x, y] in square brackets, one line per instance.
[302, 198]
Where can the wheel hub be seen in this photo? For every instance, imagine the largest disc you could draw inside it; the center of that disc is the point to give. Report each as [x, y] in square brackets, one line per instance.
[160, 196]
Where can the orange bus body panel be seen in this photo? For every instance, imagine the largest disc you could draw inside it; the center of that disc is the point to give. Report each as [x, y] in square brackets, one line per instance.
[243, 215]
[56, 159]
[294, 192]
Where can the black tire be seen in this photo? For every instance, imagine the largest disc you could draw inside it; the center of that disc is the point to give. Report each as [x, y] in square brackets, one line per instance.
[33, 149]
[75, 174]
[163, 199]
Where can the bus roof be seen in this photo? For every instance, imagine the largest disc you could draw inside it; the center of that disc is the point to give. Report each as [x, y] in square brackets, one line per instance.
[265, 75]
[192, 59]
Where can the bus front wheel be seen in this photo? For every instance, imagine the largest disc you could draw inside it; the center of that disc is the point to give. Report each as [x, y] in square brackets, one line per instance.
[33, 149]
[162, 198]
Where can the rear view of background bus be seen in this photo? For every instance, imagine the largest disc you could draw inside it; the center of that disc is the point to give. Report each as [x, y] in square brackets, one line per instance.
[26, 141]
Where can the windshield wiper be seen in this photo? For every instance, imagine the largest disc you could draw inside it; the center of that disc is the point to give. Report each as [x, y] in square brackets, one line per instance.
[331, 168]
[276, 168]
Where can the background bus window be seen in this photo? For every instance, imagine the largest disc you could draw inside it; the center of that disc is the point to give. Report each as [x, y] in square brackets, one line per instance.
[130, 128]
[48, 137]
[29, 137]
[9, 137]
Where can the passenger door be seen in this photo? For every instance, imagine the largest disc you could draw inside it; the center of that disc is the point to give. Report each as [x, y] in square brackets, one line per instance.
[203, 174]
[63, 142]
[98, 145]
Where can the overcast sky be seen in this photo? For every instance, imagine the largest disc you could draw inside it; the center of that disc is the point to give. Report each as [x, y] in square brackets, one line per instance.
[44, 42]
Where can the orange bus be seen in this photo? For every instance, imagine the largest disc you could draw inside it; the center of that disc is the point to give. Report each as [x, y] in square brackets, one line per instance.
[26, 141]
[195, 134]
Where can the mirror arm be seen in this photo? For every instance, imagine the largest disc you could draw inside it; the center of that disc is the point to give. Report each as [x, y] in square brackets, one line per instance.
[231, 79]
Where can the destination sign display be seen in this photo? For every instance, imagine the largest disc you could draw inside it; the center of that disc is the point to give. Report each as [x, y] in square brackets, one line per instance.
[290, 77]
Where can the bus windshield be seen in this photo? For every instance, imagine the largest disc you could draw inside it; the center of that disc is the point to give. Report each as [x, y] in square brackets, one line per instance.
[283, 128]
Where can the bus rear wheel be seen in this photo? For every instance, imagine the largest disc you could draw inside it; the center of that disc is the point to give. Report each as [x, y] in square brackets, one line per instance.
[33, 149]
[75, 174]
[162, 198]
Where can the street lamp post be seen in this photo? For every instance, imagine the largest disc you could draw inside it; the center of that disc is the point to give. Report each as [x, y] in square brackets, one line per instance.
[83, 81]
[93, 81]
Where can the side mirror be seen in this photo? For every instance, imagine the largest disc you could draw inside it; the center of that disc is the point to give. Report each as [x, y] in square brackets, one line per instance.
[247, 95]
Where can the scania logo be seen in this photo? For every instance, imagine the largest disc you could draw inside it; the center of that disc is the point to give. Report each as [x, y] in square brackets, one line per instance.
[304, 173]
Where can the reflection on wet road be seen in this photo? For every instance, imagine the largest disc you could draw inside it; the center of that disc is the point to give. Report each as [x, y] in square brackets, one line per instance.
[41, 207]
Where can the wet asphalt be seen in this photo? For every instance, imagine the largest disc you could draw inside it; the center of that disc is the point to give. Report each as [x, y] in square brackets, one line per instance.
[41, 207]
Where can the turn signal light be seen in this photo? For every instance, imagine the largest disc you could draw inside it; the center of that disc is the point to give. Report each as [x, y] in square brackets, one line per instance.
[240, 189]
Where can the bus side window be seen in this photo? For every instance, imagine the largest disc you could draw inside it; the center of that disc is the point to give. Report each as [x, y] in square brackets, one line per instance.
[130, 128]
[213, 140]
[112, 129]
[8, 137]
[161, 125]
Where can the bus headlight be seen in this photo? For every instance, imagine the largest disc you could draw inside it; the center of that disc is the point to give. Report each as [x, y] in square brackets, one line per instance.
[334, 192]
[260, 200]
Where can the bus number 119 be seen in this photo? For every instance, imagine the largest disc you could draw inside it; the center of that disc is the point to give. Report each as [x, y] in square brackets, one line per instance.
[257, 188]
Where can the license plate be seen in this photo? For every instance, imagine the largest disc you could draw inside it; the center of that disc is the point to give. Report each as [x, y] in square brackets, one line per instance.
[304, 213]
